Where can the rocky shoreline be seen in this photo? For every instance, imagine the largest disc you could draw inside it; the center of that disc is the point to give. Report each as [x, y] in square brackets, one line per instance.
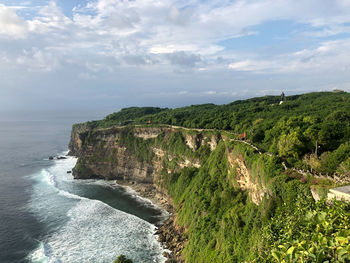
[169, 233]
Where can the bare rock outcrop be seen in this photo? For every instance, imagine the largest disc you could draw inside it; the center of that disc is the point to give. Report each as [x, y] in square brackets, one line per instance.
[245, 180]
[172, 236]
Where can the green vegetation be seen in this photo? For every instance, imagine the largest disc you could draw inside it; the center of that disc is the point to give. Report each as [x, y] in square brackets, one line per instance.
[125, 116]
[225, 226]
[313, 233]
[136, 146]
[122, 259]
[80, 168]
[223, 223]
[292, 130]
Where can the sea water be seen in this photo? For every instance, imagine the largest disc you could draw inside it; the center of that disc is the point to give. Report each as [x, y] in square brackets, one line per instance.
[47, 216]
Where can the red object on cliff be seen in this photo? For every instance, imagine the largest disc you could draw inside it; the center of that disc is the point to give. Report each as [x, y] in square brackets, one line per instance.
[243, 135]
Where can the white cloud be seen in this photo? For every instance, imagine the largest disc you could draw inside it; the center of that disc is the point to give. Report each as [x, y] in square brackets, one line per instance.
[137, 29]
[87, 76]
[183, 59]
[330, 56]
[134, 30]
[159, 49]
[241, 65]
[37, 60]
[257, 66]
[11, 24]
[49, 19]
[123, 42]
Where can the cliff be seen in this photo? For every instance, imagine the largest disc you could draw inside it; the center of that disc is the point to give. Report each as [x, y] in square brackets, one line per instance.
[126, 153]
[154, 155]
[114, 153]
[232, 202]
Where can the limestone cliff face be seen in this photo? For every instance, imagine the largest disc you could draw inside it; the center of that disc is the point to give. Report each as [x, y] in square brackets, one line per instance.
[195, 141]
[244, 178]
[101, 155]
[104, 154]
[77, 137]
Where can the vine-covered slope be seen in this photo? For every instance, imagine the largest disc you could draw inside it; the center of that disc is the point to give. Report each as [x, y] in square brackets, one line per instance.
[235, 203]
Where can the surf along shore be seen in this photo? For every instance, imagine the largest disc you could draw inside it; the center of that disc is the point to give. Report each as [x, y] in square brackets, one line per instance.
[170, 235]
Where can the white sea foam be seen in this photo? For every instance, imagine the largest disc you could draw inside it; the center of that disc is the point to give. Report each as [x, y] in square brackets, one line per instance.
[99, 233]
[39, 254]
[148, 202]
[132, 193]
[71, 161]
[93, 231]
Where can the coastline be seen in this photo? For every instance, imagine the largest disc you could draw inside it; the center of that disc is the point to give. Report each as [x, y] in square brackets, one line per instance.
[170, 235]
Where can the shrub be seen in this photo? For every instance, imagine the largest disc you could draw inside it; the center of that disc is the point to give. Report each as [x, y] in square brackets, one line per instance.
[122, 259]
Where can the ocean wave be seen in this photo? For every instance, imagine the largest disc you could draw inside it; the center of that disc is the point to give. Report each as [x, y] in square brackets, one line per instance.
[132, 193]
[93, 231]
[99, 233]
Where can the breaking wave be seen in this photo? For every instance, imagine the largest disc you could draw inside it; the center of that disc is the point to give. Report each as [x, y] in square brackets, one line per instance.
[86, 230]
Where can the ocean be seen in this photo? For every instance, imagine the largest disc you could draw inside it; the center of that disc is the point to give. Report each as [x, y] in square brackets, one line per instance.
[46, 216]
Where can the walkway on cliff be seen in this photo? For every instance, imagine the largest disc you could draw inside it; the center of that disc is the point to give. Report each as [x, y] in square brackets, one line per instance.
[338, 193]
[335, 178]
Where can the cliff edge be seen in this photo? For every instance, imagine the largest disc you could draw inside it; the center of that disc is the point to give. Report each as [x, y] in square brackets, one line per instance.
[230, 201]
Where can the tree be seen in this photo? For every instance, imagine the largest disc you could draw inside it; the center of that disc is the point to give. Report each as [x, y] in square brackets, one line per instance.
[122, 259]
[312, 133]
[290, 145]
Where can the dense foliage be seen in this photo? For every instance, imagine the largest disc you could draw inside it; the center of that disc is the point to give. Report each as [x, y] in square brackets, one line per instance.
[312, 233]
[310, 131]
[225, 226]
[136, 146]
[122, 259]
[125, 116]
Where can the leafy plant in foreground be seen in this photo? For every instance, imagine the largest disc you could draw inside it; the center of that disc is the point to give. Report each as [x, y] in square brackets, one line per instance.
[312, 234]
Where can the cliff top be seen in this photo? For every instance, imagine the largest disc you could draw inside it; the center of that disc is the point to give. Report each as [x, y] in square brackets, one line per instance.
[311, 130]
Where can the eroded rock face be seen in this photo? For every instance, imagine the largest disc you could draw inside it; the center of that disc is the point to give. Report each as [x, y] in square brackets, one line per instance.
[174, 238]
[147, 133]
[195, 141]
[101, 156]
[189, 163]
[76, 139]
[213, 143]
[244, 179]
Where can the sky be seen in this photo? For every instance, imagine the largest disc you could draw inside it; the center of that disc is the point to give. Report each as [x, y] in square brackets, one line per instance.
[75, 54]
